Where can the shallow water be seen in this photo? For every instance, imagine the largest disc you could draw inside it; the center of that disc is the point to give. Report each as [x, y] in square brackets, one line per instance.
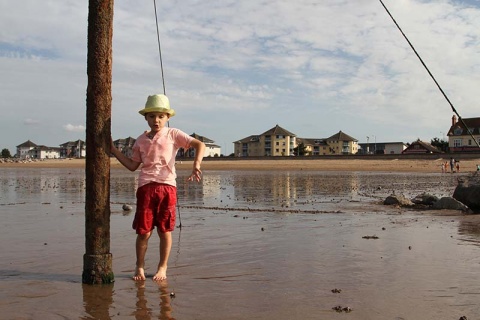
[253, 245]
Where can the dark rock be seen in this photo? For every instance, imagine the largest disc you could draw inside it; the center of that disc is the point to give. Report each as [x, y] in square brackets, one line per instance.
[425, 198]
[451, 204]
[399, 200]
[468, 193]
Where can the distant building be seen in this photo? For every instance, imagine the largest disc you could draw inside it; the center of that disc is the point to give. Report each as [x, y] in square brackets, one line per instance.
[24, 149]
[339, 143]
[30, 150]
[44, 152]
[342, 143]
[460, 136]
[314, 147]
[419, 147]
[281, 142]
[211, 149]
[73, 149]
[274, 142]
[125, 145]
[381, 148]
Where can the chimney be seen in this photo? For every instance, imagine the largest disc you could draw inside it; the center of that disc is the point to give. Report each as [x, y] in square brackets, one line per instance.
[454, 120]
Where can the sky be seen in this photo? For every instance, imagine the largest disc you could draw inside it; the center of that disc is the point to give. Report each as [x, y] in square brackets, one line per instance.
[238, 68]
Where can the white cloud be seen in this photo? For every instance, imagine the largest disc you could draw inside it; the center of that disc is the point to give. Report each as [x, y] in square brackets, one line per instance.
[74, 128]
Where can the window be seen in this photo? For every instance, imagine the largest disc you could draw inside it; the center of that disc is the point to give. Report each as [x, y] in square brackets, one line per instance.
[457, 142]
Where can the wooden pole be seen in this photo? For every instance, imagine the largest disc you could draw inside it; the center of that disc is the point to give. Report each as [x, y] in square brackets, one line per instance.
[97, 260]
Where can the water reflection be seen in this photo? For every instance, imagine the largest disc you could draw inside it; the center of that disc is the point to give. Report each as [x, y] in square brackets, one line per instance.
[165, 301]
[284, 189]
[42, 185]
[142, 309]
[97, 300]
[469, 229]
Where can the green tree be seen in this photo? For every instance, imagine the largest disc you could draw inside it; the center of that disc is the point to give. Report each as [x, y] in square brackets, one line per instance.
[300, 150]
[440, 144]
[6, 153]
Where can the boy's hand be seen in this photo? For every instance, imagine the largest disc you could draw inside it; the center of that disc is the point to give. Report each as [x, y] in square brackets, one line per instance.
[196, 175]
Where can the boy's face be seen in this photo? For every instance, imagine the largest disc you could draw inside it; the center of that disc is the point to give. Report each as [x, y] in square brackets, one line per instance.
[156, 120]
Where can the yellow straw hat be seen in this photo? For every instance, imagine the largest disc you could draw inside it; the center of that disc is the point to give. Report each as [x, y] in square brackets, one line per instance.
[157, 103]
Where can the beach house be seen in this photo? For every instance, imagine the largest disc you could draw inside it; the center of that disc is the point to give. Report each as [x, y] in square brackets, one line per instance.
[464, 135]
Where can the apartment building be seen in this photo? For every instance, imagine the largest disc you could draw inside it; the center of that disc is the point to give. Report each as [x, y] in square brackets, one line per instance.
[274, 142]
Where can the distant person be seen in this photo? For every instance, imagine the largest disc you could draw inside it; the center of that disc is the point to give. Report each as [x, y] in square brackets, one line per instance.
[157, 192]
[452, 165]
[457, 164]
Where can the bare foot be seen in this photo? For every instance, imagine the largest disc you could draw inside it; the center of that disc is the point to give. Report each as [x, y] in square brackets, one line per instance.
[161, 274]
[139, 274]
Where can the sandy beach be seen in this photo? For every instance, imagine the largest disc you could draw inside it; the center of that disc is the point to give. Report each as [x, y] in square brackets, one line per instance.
[334, 164]
[277, 239]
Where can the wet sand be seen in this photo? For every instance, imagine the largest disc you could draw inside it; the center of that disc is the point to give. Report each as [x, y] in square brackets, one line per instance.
[254, 244]
[389, 164]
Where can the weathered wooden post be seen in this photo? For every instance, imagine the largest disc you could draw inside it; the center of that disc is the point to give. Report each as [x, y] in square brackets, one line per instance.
[97, 260]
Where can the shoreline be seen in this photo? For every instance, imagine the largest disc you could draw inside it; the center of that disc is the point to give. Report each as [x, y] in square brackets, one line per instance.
[271, 164]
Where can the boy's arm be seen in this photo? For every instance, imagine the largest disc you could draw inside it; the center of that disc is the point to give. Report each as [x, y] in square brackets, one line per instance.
[124, 160]
[199, 151]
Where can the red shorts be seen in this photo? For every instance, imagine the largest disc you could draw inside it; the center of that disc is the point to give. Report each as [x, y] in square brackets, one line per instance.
[155, 208]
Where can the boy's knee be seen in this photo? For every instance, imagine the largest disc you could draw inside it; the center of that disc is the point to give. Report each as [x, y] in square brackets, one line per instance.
[144, 236]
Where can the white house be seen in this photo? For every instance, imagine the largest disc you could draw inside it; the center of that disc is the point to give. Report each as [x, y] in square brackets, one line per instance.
[211, 149]
[24, 149]
[44, 152]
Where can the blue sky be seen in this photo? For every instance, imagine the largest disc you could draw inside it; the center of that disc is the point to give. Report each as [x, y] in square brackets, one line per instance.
[236, 68]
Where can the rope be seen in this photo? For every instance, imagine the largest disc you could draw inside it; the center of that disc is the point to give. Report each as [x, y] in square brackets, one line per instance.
[159, 46]
[431, 75]
[163, 82]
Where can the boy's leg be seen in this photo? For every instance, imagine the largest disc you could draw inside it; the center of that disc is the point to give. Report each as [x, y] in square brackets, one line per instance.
[141, 249]
[165, 247]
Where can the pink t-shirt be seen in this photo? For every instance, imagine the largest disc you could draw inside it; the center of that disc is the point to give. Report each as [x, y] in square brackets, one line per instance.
[158, 155]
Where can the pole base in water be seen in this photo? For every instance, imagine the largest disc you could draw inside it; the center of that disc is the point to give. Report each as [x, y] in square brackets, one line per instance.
[97, 269]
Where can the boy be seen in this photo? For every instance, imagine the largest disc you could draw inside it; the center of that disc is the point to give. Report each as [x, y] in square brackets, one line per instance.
[156, 194]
